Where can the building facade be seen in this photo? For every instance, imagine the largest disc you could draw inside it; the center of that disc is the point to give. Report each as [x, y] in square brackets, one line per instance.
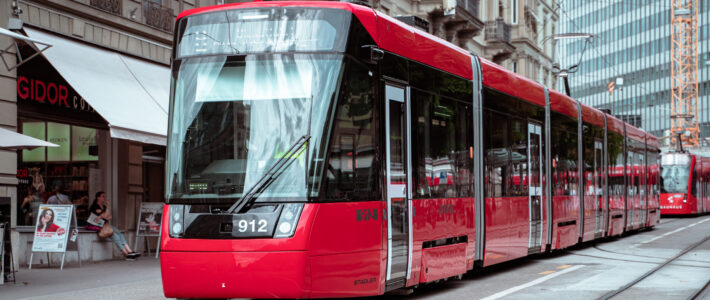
[100, 93]
[632, 49]
[511, 33]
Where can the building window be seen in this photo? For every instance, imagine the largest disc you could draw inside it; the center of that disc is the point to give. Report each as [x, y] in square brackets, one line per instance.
[514, 11]
[158, 14]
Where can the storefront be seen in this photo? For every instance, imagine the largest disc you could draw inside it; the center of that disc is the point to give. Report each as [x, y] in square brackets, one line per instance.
[108, 114]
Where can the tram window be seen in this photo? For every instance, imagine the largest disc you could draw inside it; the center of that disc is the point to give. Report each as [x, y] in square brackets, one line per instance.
[588, 170]
[693, 183]
[497, 160]
[518, 181]
[564, 155]
[440, 83]
[615, 164]
[442, 145]
[352, 170]
[395, 66]
[637, 173]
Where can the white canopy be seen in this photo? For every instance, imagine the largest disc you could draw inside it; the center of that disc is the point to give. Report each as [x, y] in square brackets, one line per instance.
[10, 140]
[130, 94]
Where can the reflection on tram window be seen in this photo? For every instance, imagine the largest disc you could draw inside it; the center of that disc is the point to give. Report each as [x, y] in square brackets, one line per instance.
[351, 173]
[442, 147]
[564, 155]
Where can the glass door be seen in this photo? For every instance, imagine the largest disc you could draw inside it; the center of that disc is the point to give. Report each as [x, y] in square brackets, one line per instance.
[398, 202]
[598, 190]
[535, 187]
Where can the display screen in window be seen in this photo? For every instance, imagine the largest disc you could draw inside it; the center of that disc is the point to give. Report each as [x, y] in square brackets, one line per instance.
[38, 131]
[58, 134]
[82, 139]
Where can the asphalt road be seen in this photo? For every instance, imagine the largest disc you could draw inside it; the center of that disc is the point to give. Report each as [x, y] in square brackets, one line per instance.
[588, 271]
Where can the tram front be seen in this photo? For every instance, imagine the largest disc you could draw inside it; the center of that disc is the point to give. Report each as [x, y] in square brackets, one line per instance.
[676, 184]
[254, 149]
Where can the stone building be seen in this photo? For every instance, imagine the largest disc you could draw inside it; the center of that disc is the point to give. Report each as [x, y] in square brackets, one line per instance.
[511, 33]
[100, 93]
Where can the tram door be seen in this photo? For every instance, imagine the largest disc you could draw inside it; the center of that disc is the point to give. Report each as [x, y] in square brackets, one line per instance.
[598, 190]
[398, 204]
[535, 186]
[642, 189]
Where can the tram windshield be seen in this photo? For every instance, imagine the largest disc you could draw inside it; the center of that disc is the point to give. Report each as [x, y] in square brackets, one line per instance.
[675, 173]
[234, 117]
[247, 85]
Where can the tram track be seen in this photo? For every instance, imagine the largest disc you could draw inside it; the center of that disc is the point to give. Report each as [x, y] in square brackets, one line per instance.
[656, 269]
[701, 293]
[637, 255]
[636, 261]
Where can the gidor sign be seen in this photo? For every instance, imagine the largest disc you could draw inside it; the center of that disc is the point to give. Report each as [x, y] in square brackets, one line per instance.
[41, 89]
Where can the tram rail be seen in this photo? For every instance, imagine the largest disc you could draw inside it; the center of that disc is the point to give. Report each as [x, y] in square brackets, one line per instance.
[656, 269]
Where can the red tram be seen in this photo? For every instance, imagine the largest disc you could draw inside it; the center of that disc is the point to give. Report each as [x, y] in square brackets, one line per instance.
[685, 184]
[324, 149]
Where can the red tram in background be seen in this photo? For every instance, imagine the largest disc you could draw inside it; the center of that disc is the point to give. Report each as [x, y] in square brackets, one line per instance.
[324, 149]
[685, 184]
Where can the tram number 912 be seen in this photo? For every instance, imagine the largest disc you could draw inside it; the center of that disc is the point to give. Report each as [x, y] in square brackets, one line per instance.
[252, 226]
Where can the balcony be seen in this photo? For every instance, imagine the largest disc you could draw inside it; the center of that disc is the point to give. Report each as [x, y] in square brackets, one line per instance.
[471, 7]
[499, 41]
[111, 6]
[498, 31]
[460, 26]
[157, 15]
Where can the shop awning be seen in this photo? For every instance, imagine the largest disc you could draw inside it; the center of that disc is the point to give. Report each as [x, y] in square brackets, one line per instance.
[10, 140]
[18, 60]
[130, 94]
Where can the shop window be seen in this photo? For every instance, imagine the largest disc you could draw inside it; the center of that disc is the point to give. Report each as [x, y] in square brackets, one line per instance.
[36, 130]
[58, 134]
[71, 166]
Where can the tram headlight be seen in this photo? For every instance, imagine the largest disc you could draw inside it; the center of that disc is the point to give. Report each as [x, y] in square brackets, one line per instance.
[288, 220]
[176, 220]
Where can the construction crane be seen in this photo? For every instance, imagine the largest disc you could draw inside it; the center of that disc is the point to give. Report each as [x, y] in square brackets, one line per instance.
[684, 73]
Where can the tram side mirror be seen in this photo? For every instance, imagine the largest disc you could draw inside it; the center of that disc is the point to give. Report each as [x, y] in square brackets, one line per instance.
[372, 54]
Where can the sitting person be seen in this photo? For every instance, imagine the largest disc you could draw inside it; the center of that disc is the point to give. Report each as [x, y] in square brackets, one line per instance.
[99, 214]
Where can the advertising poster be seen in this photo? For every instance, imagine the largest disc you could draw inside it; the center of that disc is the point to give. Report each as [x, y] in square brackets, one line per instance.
[149, 219]
[51, 228]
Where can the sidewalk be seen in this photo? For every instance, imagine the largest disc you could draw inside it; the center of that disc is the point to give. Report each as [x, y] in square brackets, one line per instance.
[118, 279]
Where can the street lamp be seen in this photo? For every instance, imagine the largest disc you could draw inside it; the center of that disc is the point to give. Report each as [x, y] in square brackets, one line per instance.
[556, 69]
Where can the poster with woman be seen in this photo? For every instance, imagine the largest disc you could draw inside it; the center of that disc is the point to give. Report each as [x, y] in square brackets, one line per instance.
[51, 228]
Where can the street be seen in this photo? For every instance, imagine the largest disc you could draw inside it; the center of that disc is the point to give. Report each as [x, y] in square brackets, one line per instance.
[589, 271]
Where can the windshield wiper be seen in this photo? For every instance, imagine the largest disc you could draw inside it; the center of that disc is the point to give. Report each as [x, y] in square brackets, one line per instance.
[270, 175]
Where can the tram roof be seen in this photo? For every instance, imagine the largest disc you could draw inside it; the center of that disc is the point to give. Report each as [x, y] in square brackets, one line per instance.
[389, 33]
[635, 133]
[652, 141]
[498, 78]
[563, 104]
[614, 124]
[592, 115]
[397, 37]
